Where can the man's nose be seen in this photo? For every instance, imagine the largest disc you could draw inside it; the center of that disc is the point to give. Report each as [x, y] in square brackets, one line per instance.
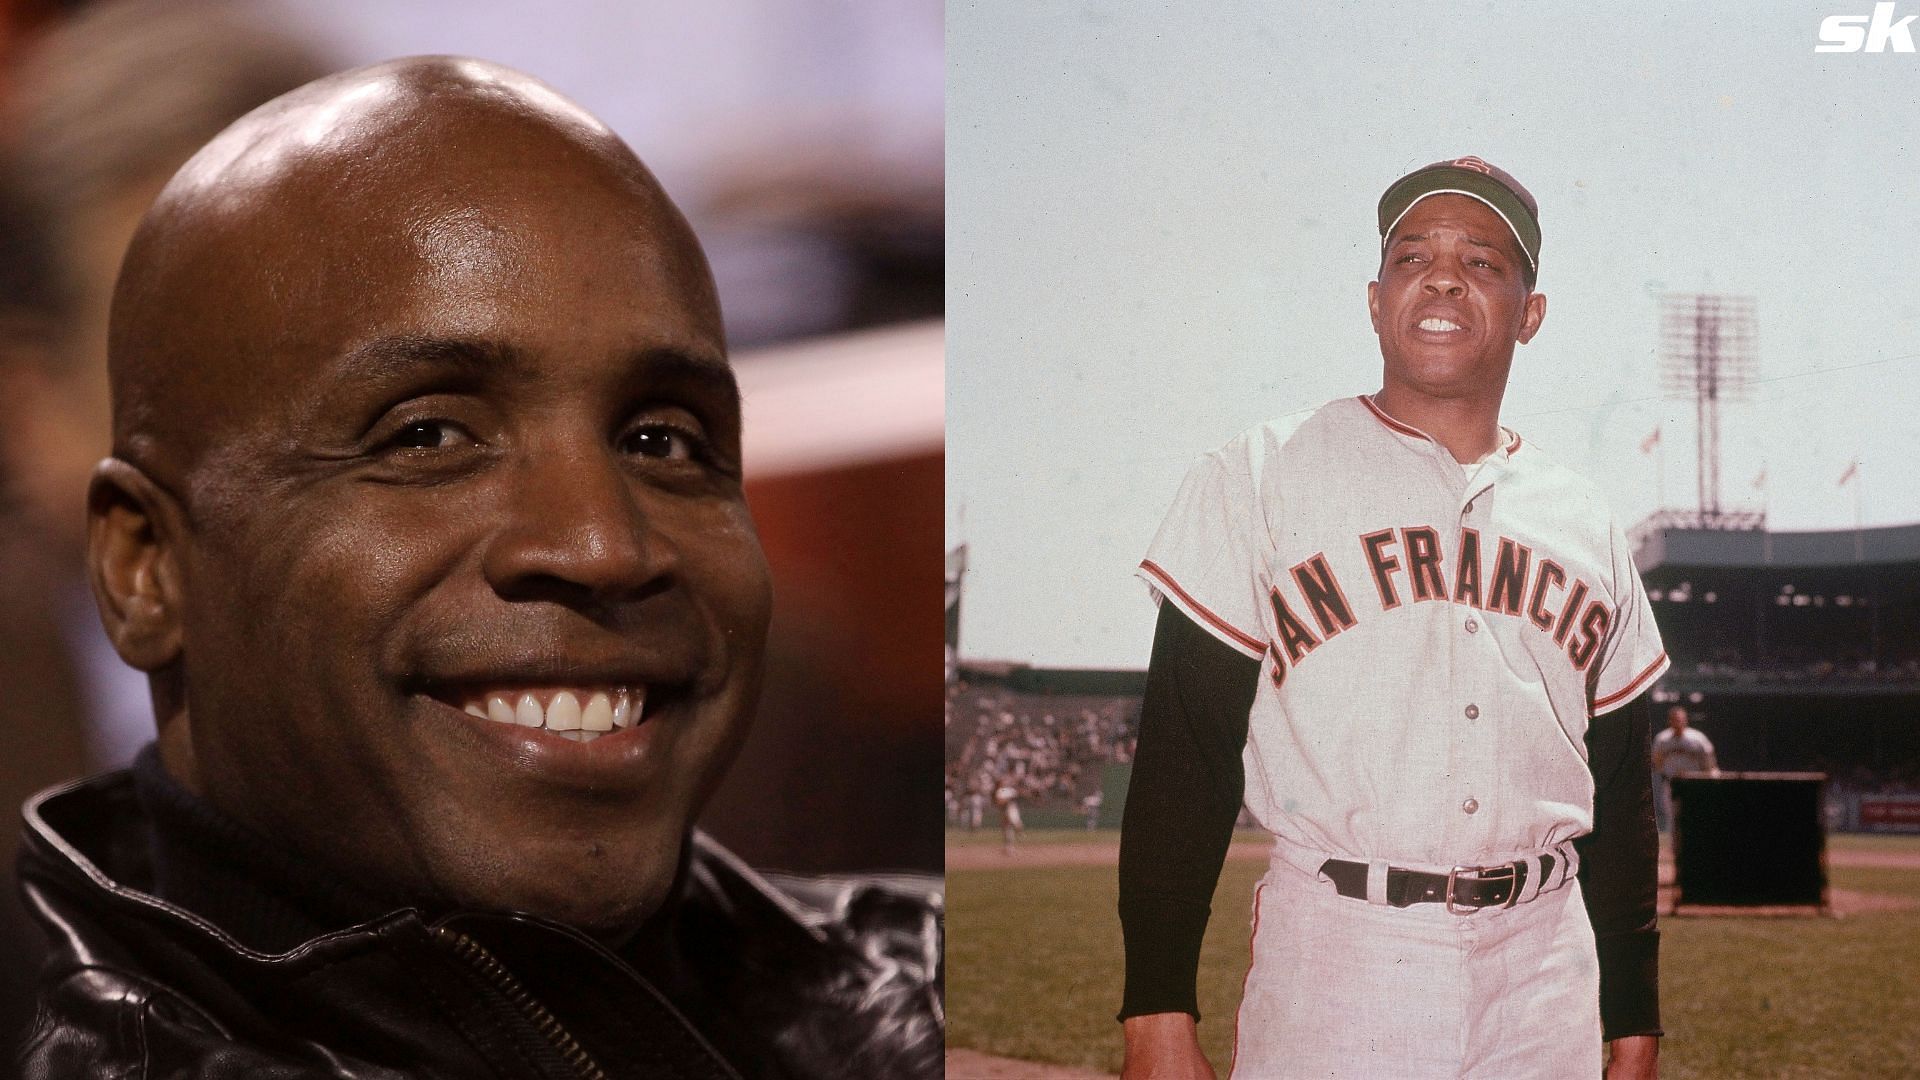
[575, 532]
[1445, 278]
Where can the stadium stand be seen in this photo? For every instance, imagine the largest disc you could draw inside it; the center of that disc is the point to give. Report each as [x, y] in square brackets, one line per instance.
[1052, 732]
[1799, 651]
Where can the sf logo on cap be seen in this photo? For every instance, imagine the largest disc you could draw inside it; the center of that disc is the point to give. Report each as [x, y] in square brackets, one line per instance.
[1843, 33]
[1475, 164]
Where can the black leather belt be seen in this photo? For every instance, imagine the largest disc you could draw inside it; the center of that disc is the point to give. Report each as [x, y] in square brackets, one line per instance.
[1465, 888]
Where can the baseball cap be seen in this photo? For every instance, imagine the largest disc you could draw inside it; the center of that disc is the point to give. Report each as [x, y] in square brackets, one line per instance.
[1475, 179]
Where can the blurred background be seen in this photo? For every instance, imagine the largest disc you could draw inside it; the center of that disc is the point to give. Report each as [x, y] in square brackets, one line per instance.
[803, 138]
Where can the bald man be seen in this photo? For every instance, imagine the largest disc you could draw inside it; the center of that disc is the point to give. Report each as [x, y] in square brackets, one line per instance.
[424, 520]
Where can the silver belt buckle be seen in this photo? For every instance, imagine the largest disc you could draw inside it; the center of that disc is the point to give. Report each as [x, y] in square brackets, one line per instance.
[1480, 873]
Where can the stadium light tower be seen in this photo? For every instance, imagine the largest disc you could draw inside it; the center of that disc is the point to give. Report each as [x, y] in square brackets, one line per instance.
[956, 574]
[1707, 353]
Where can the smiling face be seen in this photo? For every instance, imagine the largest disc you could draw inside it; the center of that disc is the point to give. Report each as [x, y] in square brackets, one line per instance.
[1452, 301]
[470, 604]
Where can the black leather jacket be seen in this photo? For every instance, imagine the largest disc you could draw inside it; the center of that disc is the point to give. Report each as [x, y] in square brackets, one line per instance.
[806, 978]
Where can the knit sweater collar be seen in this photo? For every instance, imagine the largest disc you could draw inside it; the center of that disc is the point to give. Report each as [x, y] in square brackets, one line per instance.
[223, 870]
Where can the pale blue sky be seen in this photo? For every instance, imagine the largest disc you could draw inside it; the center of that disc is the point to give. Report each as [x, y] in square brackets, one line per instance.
[1160, 231]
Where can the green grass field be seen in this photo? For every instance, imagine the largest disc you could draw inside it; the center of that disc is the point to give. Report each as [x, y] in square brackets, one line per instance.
[1034, 972]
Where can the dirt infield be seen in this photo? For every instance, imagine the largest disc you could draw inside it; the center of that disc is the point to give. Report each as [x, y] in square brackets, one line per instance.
[1841, 903]
[1106, 852]
[974, 1065]
[1875, 860]
[1090, 853]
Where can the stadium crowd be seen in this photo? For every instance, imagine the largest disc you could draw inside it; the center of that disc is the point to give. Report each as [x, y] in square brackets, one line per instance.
[1048, 747]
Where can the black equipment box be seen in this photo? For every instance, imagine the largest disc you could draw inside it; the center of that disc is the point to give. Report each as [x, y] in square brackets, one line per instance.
[1750, 839]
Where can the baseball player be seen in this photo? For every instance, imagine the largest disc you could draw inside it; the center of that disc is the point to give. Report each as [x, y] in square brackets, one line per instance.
[1409, 639]
[976, 806]
[1007, 798]
[1678, 749]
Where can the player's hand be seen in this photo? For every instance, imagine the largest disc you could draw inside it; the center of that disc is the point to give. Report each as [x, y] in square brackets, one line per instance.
[1636, 1057]
[1163, 1046]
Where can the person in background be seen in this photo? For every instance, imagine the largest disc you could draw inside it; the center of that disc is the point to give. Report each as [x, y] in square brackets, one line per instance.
[1006, 796]
[1679, 748]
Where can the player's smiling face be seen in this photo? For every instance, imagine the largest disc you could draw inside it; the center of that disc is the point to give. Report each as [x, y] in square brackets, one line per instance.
[477, 609]
[1452, 300]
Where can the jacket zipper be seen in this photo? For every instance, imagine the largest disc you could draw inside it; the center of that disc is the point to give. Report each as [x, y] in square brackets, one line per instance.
[543, 1021]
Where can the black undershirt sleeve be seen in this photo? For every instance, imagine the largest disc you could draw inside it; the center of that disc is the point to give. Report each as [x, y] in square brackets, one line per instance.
[1619, 868]
[1184, 795]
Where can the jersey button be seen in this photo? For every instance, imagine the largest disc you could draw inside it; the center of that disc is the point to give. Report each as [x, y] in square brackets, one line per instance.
[1470, 805]
[1473, 625]
[1473, 713]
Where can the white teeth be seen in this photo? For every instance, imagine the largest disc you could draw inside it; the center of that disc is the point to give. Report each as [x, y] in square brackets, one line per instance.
[598, 715]
[563, 712]
[528, 713]
[1438, 324]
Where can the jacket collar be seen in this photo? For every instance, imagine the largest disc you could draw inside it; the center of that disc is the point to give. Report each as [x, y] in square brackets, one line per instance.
[779, 985]
[93, 832]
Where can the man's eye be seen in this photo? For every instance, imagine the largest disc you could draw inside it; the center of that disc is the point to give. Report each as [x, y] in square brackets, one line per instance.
[426, 435]
[665, 442]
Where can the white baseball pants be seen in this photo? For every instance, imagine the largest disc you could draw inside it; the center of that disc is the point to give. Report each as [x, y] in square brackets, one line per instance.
[1342, 987]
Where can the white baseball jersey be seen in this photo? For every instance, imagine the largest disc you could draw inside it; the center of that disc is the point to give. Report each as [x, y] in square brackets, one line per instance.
[1689, 751]
[1433, 639]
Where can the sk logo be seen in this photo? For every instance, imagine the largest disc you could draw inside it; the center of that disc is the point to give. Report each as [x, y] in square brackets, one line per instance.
[1844, 33]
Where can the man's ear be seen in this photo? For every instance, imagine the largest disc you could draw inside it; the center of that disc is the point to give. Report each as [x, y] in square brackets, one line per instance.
[134, 533]
[1532, 315]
